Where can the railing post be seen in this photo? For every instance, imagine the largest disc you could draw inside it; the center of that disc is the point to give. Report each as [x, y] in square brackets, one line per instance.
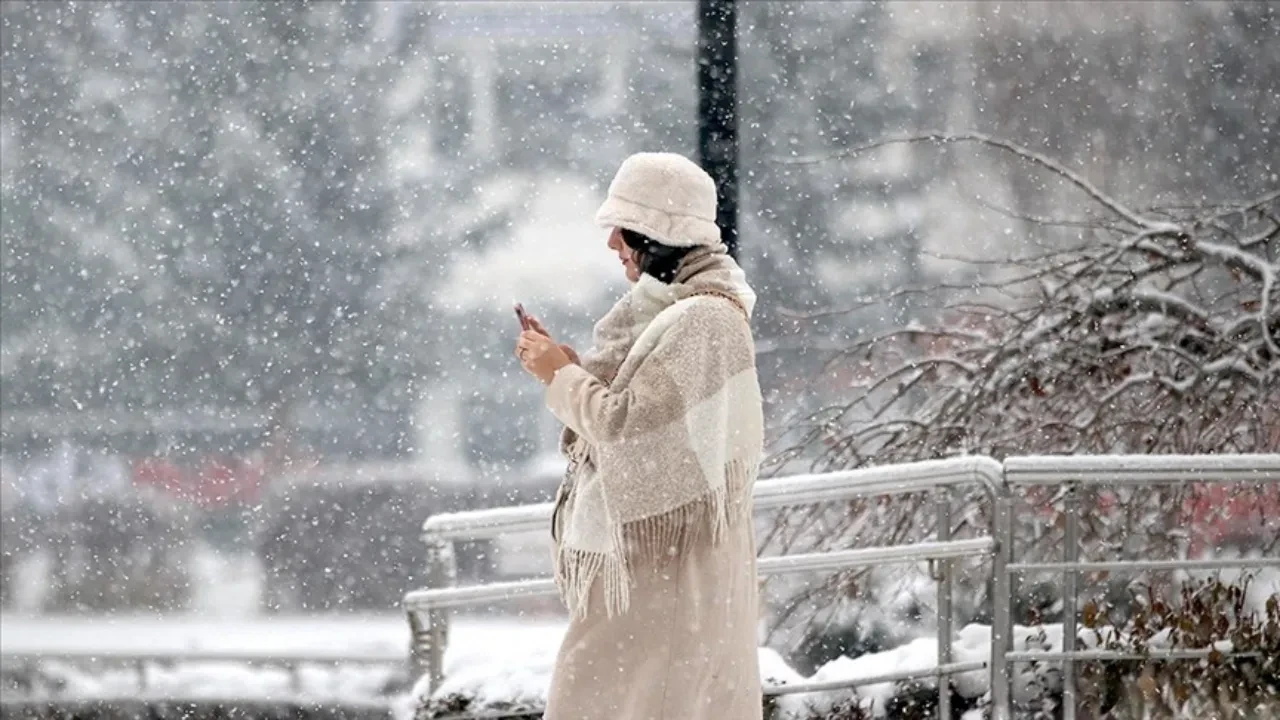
[1070, 589]
[1001, 606]
[430, 638]
[944, 577]
[419, 641]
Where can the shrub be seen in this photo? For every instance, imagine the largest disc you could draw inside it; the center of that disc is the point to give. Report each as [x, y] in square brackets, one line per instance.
[1208, 615]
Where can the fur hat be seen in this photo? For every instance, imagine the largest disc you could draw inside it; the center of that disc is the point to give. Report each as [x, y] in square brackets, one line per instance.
[664, 196]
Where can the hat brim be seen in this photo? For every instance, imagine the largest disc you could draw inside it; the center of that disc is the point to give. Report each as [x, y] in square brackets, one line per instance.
[667, 228]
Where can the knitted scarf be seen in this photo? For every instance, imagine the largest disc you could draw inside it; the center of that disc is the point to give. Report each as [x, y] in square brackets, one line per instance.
[663, 427]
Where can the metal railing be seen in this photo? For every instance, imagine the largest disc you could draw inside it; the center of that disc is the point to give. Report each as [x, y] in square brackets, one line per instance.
[1070, 474]
[428, 609]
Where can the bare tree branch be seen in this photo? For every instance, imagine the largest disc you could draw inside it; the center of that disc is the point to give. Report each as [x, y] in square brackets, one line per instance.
[1080, 223]
[943, 138]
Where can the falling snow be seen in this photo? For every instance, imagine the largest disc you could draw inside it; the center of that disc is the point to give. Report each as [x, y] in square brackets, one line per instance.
[259, 261]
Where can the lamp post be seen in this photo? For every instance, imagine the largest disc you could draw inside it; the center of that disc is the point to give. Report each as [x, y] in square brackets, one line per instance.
[718, 108]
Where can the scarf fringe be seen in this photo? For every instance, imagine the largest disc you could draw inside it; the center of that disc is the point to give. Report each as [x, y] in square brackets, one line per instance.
[652, 541]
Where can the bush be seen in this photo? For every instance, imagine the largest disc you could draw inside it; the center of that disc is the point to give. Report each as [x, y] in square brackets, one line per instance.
[1197, 615]
[1209, 615]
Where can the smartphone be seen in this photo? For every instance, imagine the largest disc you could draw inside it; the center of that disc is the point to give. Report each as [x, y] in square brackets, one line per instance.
[520, 314]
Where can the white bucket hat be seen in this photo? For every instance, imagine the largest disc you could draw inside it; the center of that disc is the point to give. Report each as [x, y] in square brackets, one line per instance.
[664, 196]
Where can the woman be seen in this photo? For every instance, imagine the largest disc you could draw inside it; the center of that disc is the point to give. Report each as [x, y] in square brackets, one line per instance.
[655, 554]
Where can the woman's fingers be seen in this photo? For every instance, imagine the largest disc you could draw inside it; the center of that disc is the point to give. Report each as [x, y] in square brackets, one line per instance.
[533, 339]
[531, 345]
[540, 356]
[536, 325]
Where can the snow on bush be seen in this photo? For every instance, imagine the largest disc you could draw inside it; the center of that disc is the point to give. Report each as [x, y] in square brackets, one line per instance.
[1203, 615]
[972, 643]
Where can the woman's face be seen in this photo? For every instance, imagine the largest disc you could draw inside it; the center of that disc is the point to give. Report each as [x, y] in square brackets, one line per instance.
[625, 255]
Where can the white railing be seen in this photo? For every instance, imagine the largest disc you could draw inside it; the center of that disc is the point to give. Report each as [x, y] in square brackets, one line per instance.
[769, 494]
[1074, 472]
[428, 609]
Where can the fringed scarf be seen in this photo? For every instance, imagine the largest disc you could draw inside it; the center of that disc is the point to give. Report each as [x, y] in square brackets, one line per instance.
[663, 427]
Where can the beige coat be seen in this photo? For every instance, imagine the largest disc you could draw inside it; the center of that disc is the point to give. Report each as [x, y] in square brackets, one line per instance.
[686, 649]
[674, 440]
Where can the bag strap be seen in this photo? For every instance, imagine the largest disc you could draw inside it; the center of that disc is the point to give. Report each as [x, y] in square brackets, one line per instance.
[731, 298]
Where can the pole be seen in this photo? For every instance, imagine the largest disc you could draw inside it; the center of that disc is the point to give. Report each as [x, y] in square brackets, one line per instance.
[718, 108]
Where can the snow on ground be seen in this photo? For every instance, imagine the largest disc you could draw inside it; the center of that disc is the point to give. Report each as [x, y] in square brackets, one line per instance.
[470, 637]
[169, 634]
[224, 584]
[520, 674]
[916, 656]
[972, 644]
[474, 642]
[347, 684]
[492, 659]
[774, 670]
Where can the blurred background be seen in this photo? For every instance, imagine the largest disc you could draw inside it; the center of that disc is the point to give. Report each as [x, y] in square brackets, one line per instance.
[259, 258]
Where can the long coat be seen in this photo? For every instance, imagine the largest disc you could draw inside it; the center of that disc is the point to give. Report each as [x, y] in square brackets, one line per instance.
[685, 649]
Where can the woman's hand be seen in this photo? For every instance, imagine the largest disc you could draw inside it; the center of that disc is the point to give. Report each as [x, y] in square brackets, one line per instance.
[540, 355]
[536, 325]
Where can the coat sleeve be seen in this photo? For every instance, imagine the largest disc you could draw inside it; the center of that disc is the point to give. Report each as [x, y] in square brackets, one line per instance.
[584, 404]
[683, 359]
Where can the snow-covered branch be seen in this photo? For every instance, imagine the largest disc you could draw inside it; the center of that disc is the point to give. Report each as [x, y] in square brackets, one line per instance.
[1151, 337]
